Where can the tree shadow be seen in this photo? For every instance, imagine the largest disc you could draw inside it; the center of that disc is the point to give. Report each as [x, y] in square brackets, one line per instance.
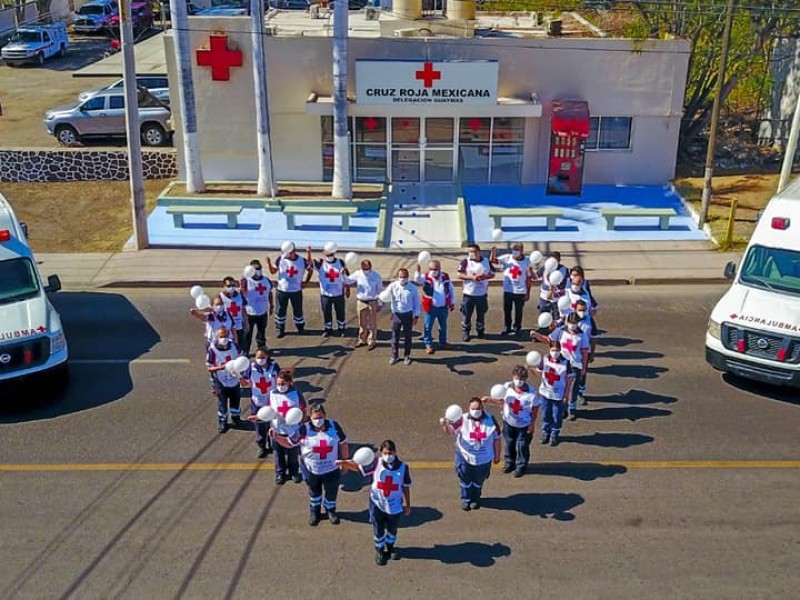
[629, 355]
[609, 439]
[99, 327]
[617, 342]
[477, 554]
[581, 471]
[635, 397]
[620, 413]
[765, 390]
[419, 516]
[631, 371]
[545, 505]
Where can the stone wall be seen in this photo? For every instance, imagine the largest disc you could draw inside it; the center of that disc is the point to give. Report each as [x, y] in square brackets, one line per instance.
[41, 166]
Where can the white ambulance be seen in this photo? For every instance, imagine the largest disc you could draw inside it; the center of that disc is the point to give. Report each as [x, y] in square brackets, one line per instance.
[32, 341]
[754, 330]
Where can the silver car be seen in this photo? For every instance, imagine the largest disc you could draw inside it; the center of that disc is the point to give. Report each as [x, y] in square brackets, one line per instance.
[103, 116]
[158, 85]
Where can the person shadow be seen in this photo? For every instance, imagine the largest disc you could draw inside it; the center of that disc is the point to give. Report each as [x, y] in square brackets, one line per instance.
[419, 516]
[477, 554]
[556, 505]
[454, 362]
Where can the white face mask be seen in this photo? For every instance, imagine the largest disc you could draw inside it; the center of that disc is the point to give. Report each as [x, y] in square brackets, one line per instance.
[366, 272]
[318, 422]
[330, 258]
[576, 289]
[516, 253]
[475, 413]
[581, 313]
[518, 383]
[282, 388]
[223, 342]
[433, 274]
[231, 289]
[261, 362]
[402, 281]
[554, 354]
[258, 273]
[475, 257]
[220, 310]
[389, 458]
[572, 326]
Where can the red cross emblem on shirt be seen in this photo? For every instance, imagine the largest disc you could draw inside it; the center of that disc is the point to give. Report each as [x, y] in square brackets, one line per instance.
[332, 275]
[428, 75]
[477, 434]
[570, 345]
[261, 289]
[515, 406]
[234, 309]
[219, 58]
[284, 408]
[551, 375]
[515, 272]
[322, 449]
[263, 385]
[291, 271]
[387, 486]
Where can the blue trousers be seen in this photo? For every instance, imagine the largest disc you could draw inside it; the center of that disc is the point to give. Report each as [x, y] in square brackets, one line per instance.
[578, 385]
[384, 526]
[552, 416]
[518, 446]
[471, 478]
[437, 314]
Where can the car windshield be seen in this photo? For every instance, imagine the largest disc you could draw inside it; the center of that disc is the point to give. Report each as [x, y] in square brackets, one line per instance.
[18, 280]
[25, 36]
[775, 269]
[90, 9]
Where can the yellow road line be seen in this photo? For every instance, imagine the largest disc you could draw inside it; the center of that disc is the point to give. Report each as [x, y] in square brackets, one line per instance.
[424, 465]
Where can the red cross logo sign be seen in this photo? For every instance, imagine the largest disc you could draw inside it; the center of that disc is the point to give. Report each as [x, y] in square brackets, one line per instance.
[291, 271]
[370, 123]
[263, 385]
[428, 75]
[234, 310]
[219, 58]
[570, 344]
[332, 275]
[515, 406]
[387, 486]
[322, 449]
[515, 272]
[477, 434]
[551, 375]
[261, 289]
[283, 409]
[41, 329]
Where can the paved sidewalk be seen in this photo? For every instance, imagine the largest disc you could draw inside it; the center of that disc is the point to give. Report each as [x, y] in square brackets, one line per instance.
[619, 263]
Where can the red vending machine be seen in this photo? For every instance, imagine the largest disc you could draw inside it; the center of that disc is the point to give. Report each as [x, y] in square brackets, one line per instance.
[569, 130]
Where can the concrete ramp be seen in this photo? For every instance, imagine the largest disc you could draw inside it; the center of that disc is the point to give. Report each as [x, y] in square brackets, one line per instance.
[424, 216]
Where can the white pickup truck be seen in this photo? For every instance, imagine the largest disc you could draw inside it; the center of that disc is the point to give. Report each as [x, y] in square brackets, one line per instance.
[36, 43]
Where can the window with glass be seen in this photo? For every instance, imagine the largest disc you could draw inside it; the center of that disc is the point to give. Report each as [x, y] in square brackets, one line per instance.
[772, 269]
[369, 148]
[609, 133]
[18, 280]
[490, 150]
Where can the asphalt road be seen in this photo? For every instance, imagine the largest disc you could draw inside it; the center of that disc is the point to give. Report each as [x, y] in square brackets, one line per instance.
[674, 483]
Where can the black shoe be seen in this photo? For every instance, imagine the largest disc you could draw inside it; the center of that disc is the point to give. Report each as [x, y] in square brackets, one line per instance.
[465, 337]
[333, 517]
[465, 506]
[505, 331]
[516, 331]
[583, 400]
[262, 453]
[554, 440]
[222, 427]
[508, 468]
[342, 333]
[280, 479]
[544, 439]
[391, 552]
[380, 558]
[326, 334]
[519, 473]
[481, 335]
[474, 506]
[281, 334]
[573, 416]
[301, 329]
[297, 478]
[237, 420]
[313, 519]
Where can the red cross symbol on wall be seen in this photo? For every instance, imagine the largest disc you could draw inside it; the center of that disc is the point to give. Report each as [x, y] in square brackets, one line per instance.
[551, 375]
[370, 123]
[515, 272]
[284, 408]
[387, 486]
[234, 310]
[515, 406]
[323, 449]
[474, 124]
[261, 289]
[291, 271]
[332, 275]
[569, 345]
[263, 385]
[428, 75]
[477, 434]
[219, 58]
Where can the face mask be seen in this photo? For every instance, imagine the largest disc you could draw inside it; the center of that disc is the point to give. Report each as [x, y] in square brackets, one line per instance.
[231, 289]
[220, 310]
[402, 281]
[317, 422]
[575, 288]
[223, 342]
[516, 253]
[330, 259]
[258, 273]
[518, 383]
[261, 362]
[366, 272]
[433, 274]
[389, 458]
[554, 354]
[572, 326]
[282, 388]
[475, 257]
[581, 313]
[475, 413]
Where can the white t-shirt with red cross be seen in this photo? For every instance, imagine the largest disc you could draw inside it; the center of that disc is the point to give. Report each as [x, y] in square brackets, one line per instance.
[516, 272]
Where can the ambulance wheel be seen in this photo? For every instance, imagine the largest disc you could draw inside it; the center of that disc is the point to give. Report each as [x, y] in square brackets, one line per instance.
[40, 59]
[66, 135]
[62, 51]
[153, 135]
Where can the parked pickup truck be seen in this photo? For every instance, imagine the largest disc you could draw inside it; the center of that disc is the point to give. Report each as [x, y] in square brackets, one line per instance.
[36, 43]
[94, 16]
[141, 17]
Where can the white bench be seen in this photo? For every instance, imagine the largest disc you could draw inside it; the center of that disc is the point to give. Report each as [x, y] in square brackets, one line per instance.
[345, 212]
[178, 212]
[663, 214]
[550, 214]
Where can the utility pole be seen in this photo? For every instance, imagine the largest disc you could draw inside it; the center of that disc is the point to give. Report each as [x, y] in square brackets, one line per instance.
[790, 151]
[712, 138]
[342, 186]
[133, 128]
[266, 180]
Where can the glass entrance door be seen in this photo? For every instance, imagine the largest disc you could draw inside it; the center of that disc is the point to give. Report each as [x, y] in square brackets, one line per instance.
[422, 158]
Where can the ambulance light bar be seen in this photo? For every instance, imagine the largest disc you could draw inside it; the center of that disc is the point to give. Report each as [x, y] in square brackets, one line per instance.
[5, 235]
[781, 223]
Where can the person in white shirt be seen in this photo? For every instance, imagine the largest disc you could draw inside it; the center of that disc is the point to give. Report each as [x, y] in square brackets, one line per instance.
[234, 303]
[257, 291]
[405, 314]
[293, 271]
[517, 279]
[474, 273]
[368, 284]
[438, 300]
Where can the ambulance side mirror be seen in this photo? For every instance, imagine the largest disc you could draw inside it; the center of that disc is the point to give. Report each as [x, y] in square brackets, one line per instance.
[53, 284]
[24, 226]
[730, 270]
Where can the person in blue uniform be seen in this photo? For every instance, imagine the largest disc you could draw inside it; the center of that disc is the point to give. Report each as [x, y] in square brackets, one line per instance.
[389, 497]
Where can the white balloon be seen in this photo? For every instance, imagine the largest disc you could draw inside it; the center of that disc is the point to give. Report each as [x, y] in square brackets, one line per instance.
[287, 247]
[364, 456]
[453, 413]
[533, 358]
[293, 416]
[249, 271]
[240, 364]
[230, 367]
[266, 413]
[202, 302]
[555, 278]
[536, 257]
[423, 257]
[497, 234]
[545, 320]
[196, 291]
[564, 302]
[350, 259]
[330, 247]
[550, 265]
[385, 296]
[498, 391]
